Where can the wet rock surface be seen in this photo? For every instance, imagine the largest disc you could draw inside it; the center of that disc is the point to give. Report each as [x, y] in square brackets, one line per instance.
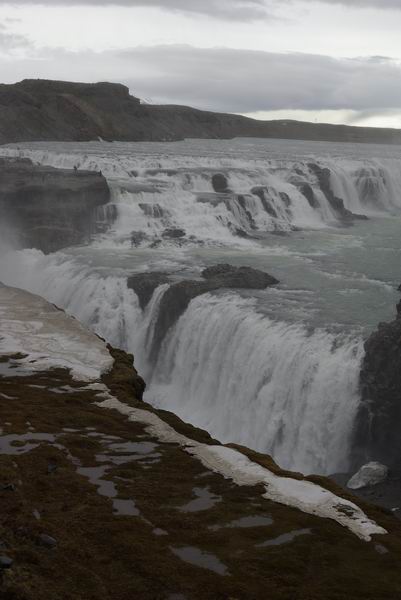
[239, 277]
[49, 208]
[378, 425]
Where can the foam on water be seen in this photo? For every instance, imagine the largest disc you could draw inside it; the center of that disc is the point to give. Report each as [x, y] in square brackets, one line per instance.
[236, 366]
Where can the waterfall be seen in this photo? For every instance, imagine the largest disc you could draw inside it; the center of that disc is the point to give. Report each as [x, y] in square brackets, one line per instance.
[163, 199]
[225, 367]
[276, 386]
[268, 385]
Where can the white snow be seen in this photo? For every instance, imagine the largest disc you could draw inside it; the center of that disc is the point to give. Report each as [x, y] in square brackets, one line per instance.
[371, 474]
[304, 495]
[48, 337]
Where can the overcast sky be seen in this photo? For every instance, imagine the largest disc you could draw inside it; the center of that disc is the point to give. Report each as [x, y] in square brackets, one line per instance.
[317, 60]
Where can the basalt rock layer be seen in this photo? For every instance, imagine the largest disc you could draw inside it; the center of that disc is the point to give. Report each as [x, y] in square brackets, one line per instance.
[377, 435]
[49, 208]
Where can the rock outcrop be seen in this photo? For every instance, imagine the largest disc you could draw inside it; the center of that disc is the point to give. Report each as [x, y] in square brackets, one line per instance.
[377, 434]
[49, 208]
[144, 284]
[42, 110]
[177, 298]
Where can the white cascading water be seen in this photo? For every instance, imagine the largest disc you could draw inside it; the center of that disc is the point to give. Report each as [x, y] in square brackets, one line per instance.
[155, 193]
[293, 394]
[224, 367]
[277, 387]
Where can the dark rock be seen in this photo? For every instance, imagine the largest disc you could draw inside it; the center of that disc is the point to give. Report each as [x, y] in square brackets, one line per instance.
[239, 277]
[220, 183]
[144, 285]
[137, 237]
[309, 194]
[49, 208]
[378, 425]
[52, 468]
[5, 562]
[10, 487]
[174, 234]
[47, 541]
[178, 296]
[260, 193]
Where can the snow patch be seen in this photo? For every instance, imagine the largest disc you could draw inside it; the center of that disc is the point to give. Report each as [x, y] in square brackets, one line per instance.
[232, 464]
[48, 338]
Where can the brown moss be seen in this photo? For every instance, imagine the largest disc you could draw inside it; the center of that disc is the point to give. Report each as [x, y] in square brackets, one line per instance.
[103, 556]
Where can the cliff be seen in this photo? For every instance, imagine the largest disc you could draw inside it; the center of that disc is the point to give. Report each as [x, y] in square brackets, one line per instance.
[49, 208]
[103, 497]
[377, 434]
[41, 110]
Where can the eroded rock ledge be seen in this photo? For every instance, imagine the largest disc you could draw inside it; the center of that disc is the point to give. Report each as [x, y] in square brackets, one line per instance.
[178, 296]
[377, 434]
[49, 208]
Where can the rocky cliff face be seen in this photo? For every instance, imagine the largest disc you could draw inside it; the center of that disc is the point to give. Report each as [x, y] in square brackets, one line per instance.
[377, 435]
[49, 208]
[40, 110]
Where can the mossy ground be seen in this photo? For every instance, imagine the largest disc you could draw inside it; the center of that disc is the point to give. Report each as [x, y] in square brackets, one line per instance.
[104, 556]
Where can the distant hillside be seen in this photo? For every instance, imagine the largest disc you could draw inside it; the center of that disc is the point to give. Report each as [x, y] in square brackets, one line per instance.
[41, 110]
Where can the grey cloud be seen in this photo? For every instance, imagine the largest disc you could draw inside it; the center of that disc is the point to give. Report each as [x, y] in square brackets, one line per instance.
[240, 81]
[11, 41]
[227, 9]
[249, 81]
[392, 4]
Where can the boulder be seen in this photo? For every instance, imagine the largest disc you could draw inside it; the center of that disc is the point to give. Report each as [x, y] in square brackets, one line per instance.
[225, 275]
[173, 234]
[372, 473]
[220, 183]
[137, 237]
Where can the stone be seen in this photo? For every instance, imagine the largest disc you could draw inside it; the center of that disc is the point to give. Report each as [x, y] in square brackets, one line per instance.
[238, 277]
[220, 183]
[5, 562]
[138, 237]
[47, 540]
[372, 473]
[174, 234]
